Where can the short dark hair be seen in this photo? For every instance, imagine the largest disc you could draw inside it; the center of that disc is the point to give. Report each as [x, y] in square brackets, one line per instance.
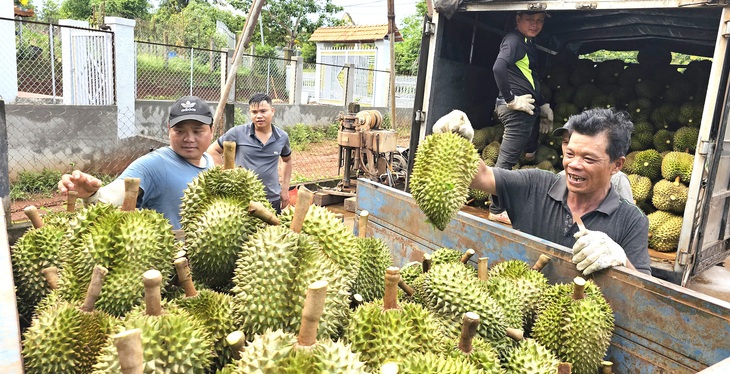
[617, 125]
[258, 98]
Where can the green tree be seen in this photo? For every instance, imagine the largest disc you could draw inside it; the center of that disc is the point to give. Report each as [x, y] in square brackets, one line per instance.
[50, 12]
[194, 25]
[124, 8]
[288, 23]
[76, 9]
[406, 52]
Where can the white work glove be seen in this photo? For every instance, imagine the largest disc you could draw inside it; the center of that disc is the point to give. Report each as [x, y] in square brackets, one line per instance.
[546, 119]
[457, 122]
[594, 251]
[522, 103]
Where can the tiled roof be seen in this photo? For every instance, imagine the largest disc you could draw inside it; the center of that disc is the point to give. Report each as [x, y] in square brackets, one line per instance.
[353, 34]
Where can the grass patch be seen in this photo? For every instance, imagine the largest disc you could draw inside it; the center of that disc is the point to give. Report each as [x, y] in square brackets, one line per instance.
[302, 135]
[34, 183]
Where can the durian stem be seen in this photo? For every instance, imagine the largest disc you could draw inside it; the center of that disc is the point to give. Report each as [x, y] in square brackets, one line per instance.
[311, 313]
[305, 198]
[51, 275]
[565, 368]
[356, 301]
[541, 262]
[34, 216]
[676, 180]
[229, 155]
[94, 290]
[183, 276]
[130, 352]
[426, 264]
[152, 280]
[236, 340]
[515, 334]
[483, 268]
[579, 285]
[389, 368]
[179, 235]
[606, 367]
[469, 325]
[362, 224]
[578, 221]
[180, 254]
[131, 190]
[406, 288]
[71, 198]
[258, 210]
[390, 299]
[467, 255]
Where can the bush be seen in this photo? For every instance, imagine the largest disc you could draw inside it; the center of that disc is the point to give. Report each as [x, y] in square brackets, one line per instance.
[301, 135]
[32, 183]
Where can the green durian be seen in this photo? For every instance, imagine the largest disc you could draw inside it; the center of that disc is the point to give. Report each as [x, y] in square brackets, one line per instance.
[670, 196]
[677, 164]
[432, 363]
[473, 348]
[443, 168]
[375, 257]
[491, 152]
[530, 357]
[664, 231]
[530, 284]
[685, 139]
[641, 187]
[648, 163]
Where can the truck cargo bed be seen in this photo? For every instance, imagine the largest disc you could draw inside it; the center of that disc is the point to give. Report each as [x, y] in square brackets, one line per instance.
[660, 327]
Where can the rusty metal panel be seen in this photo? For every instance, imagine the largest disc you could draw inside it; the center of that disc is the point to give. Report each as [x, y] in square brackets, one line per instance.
[660, 327]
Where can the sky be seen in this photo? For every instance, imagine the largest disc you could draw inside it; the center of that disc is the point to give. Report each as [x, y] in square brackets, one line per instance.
[374, 12]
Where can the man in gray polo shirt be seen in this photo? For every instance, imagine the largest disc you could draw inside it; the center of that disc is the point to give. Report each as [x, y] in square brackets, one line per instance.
[259, 145]
[541, 203]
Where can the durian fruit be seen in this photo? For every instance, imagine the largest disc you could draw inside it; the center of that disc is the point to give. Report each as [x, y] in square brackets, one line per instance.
[641, 188]
[444, 166]
[648, 163]
[480, 138]
[375, 257]
[477, 197]
[471, 347]
[663, 140]
[215, 217]
[432, 363]
[450, 289]
[66, 337]
[277, 351]
[690, 114]
[670, 196]
[685, 139]
[446, 255]
[576, 326]
[383, 331]
[664, 230]
[677, 164]
[36, 250]
[528, 281]
[127, 243]
[408, 275]
[530, 357]
[173, 341]
[213, 309]
[504, 292]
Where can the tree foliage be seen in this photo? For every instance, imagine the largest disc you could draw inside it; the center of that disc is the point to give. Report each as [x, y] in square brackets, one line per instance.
[406, 52]
[76, 9]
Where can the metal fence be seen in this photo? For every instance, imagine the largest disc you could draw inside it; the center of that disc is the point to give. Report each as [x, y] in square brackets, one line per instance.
[272, 75]
[39, 59]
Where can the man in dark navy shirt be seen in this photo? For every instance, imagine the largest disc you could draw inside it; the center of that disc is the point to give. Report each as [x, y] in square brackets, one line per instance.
[516, 75]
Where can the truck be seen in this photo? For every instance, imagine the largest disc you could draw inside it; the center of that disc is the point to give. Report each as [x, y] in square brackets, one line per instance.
[460, 44]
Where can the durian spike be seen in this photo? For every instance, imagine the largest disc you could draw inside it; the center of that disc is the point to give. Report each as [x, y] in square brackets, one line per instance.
[389, 368]
[258, 210]
[467, 255]
[541, 262]
[362, 223]
[34, 216]
[71, 201]
[565, 368]
[229, 155]
[515, 334]
[129, 350]
[426, 264]
[183, 276]
[152, 280]
[311, 313]
[606, 367]
[356, 301]
[94, 290]
[131, 190]
[392, 276]
[406, 288]
[51, 275]
[305, 198]
[579, 285]
[236, 340]
[469, 326]
[483, 268]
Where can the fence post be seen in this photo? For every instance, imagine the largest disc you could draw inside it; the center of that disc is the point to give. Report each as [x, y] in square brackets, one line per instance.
[4, 172]
[382, 77]
[297, 66]
[9, 77]
[349, 84]
[226, 63]
[124, 62]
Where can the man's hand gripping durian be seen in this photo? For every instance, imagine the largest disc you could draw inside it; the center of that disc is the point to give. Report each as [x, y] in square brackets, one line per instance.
[457, 122]
[594, 250]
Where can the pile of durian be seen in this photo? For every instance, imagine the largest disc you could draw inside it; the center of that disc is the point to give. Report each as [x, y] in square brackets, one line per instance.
[108, 290]
[665, 102]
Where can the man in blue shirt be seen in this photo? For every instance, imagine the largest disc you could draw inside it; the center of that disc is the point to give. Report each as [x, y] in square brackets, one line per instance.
[165, 173]
[259, 145]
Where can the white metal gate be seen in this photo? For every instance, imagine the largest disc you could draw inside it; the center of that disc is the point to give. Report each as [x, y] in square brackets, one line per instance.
[93, 73]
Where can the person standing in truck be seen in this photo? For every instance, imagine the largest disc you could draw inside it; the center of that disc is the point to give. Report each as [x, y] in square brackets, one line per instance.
[520, 106]
[259, 145]
[547, 205]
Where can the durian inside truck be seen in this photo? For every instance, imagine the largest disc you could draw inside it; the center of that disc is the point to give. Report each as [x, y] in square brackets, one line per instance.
[661, 327]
